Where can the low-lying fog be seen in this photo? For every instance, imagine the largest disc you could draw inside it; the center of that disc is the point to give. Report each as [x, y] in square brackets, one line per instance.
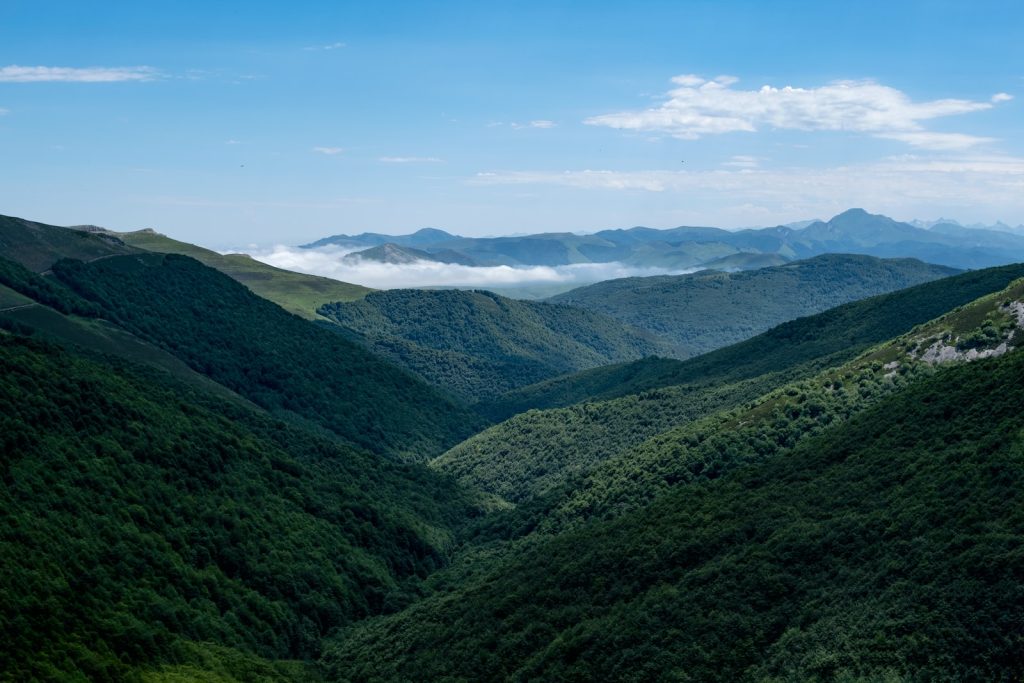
[330, 262]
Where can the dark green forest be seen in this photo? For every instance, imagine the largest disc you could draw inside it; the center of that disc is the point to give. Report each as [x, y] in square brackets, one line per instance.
[480, 345]
[275, 359]
[140, 515]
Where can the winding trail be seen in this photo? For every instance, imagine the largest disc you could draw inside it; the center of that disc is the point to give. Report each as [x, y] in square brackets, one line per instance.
[17, 308]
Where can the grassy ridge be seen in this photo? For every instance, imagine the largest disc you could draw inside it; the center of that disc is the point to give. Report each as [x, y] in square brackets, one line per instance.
[38, 246]
[297, 293]
[10, 298]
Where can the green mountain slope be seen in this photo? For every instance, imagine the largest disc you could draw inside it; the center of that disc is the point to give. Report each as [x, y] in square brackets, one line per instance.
[278, 361]
[831, 337]
[593, 472]
[51, 311]
[141, 515]
[297, 293]
[478, 344]
[709, 310]
[540, 451]
[38, 246]
[889, 547]
[9, 298]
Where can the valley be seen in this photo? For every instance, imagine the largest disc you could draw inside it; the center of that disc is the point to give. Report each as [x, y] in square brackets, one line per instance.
[217, 470]
[533, 342]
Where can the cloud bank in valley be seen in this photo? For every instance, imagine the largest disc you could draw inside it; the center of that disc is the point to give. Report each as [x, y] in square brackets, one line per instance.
[330, 262]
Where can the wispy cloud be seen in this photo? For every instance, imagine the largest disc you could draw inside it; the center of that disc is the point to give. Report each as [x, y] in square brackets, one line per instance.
[742, 161]
[937, 141]
[4, 112]
[699, 107]
[330, 151]
[903, 185]
[330, 262]
[64, 74]
[329, 46]
[410, 160]
[539, 123]
[542, 124]
[1001, 97]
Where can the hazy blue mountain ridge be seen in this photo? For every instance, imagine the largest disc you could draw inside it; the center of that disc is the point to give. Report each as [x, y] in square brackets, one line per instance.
[853, 231]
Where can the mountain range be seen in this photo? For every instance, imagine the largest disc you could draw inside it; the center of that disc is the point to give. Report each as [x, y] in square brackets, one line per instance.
[853, 232]
[479, 345]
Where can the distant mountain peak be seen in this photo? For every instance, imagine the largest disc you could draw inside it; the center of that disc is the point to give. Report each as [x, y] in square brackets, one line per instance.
[854, 212]
[433, 233]
[859, 216]
[399, 254]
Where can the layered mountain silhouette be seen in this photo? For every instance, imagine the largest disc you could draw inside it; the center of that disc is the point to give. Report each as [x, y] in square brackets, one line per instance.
[854, 232]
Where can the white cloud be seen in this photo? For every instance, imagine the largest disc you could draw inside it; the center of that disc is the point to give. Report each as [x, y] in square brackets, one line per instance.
[37, 74]
[410, 160]
[4, 111]
[329, 46]
[329, 262]
[233, 142]
[701, 107]
[330, 151]
[1002, 97]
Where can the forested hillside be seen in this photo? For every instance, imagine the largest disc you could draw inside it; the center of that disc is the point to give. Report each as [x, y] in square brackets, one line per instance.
[198, 485]
[37, 245]
[619, 455]
[149, 524]
[886, 547]
[708, 310]
[478, 344]
[815, 341]
[280, 362]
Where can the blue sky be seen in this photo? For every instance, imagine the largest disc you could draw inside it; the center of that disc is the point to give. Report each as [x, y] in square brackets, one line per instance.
[258, 122]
